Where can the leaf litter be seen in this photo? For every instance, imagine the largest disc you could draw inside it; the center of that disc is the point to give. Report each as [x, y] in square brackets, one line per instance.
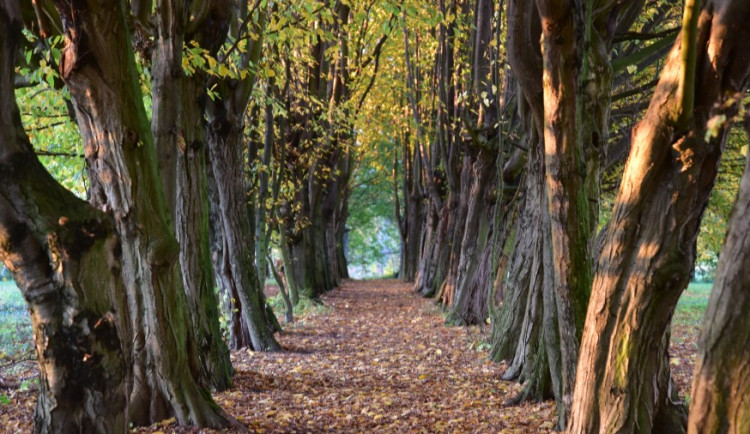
[379, 359]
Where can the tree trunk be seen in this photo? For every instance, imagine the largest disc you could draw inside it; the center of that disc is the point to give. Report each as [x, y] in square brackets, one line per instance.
[250, 327]
[650, 245]
[437, 265]
[262, 217]
[469, 307]
[98, 67]
[307, 269]
[426, 265]
[452, 243]
[518, 333]
[412, 223]
[721, 383]
[341, 237]
[65, 258]
[179, 137]
[567, 199]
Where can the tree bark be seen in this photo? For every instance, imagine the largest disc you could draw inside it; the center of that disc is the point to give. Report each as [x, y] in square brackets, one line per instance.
[65, 258]
[98, 67]
[251, 324]
[237, 271]
[721, 386]
[649, 248]
[412, 222]
[179, 137]
[469, 303]
[518, 333]
[567, 199]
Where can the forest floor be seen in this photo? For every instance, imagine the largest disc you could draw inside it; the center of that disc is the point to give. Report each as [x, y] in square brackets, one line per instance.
[375, 358]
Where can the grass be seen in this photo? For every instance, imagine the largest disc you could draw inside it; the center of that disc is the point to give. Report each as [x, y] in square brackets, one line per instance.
[15, 326]
[692, 304]
[305, 307]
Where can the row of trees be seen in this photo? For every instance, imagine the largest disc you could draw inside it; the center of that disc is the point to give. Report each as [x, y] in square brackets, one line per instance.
[212, 131]
[521, 120]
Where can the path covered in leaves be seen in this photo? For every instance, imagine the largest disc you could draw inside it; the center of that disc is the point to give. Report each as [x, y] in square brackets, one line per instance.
[378, 359]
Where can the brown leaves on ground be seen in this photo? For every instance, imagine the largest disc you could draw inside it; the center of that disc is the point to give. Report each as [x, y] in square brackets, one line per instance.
[378, 359]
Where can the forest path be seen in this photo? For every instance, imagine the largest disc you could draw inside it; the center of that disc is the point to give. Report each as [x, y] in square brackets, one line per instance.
[378, 359]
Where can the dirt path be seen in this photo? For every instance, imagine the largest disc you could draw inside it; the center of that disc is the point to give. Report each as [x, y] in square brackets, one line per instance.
[378, 359]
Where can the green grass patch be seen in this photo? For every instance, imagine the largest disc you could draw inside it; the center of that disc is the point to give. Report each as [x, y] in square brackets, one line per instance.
[15, 325]
[692, 304]
[306, 307]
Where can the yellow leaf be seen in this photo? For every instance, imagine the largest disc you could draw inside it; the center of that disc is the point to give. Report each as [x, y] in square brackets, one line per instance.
[168, 421]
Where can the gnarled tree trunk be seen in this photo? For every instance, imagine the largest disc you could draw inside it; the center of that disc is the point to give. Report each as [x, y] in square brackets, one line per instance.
[65, 257]
[469, 302]
[177, 125]
[623, 379]
[721, 383]
[251, 321]
[237, 270]
[98, 67]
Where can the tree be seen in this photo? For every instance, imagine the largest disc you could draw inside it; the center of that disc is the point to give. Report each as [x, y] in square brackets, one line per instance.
[56, 245]
[329, 79]
[720, 387]
[99, 70]
[251, 321]
[540, 321]
[179, 138]
[623, 370]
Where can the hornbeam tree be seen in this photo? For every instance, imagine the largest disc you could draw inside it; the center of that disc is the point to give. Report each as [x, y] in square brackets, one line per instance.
[539, 325]
[718, 401]
[98, 67]
[251, 321]
[335, 75]
[179, 137]
[623, 376]
[66, 258]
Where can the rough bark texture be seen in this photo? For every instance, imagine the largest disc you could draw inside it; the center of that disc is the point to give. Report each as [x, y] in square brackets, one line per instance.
[412, 220]
[237, 271]
[98, 67]
[721, 382]
[179, 137]
[65, 257]
[470, 300]
[518, 333]
[251, 324]
[519, 326]
[649, 248]
[567, 198]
